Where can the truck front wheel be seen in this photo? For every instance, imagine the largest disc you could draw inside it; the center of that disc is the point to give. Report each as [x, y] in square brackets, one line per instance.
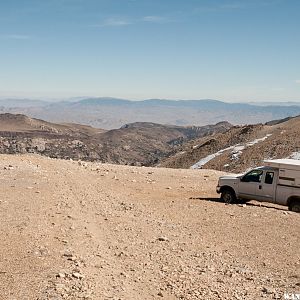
[228, 196]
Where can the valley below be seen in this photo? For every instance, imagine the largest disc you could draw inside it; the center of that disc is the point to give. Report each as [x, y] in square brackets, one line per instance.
[82, 230]
[111, 113]
[221, 146]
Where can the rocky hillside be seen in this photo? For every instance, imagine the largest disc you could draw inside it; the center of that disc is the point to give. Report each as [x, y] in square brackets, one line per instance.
[19, 123]
[220, 146]
[241, 147]
[147, 143]
[134, 144]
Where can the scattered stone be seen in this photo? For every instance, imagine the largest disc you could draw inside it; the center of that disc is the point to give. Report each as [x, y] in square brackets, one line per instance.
[163, 239]
[67, 254]
[78, 275]
[72, 258]
[61, 275]
[9, 167]
[267, 290]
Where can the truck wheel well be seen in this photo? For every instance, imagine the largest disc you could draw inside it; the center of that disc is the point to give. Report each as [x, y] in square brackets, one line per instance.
[228, 188]
[293, 199]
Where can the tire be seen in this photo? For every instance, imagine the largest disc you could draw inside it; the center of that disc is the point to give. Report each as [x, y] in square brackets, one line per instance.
[228, 196]
[295, 206]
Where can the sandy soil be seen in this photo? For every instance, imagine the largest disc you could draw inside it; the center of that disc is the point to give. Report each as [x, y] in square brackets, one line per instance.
[72, 230]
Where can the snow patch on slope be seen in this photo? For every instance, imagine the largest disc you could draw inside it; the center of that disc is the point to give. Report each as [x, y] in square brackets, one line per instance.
[208, 158]
[256, 141]
[295, 155]
[236, 152]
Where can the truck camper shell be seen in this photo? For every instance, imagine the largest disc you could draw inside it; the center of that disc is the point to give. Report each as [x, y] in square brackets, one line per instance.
[290, 164]
[289, 171]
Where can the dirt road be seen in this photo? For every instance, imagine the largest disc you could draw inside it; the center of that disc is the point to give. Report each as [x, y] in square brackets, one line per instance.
[72, 230]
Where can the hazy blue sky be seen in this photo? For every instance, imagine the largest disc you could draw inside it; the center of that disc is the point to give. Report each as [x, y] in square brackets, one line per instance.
[193, 49]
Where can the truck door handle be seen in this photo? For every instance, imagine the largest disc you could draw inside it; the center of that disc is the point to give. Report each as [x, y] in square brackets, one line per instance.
[260, 187]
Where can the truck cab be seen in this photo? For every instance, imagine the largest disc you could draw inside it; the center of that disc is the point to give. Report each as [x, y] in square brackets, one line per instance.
[266, 184]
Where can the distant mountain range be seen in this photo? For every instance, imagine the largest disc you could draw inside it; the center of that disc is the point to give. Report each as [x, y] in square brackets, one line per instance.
[279, 103]
[110, 113]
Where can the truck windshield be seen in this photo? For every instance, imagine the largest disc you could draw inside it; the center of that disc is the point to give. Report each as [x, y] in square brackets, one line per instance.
[253, 176]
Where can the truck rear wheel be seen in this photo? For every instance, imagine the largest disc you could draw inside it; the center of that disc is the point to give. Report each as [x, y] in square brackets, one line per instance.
[295, 206]
[228, 196]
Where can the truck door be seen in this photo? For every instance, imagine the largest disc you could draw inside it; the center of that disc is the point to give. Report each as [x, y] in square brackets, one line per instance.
[266, 189]
[249, 184]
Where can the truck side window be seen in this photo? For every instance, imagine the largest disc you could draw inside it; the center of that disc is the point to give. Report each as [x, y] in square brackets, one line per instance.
[269, 177]
[253, 176]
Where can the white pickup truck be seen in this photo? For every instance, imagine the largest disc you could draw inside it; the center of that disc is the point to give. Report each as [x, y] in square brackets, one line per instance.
[278, 181]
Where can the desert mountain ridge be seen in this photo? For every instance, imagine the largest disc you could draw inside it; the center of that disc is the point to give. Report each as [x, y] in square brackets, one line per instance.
[221, 146]
[112, 113]
[134, 144]
[24, 124]
[241, 147]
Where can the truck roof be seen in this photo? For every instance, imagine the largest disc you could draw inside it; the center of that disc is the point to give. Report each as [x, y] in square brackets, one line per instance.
[291, 164]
